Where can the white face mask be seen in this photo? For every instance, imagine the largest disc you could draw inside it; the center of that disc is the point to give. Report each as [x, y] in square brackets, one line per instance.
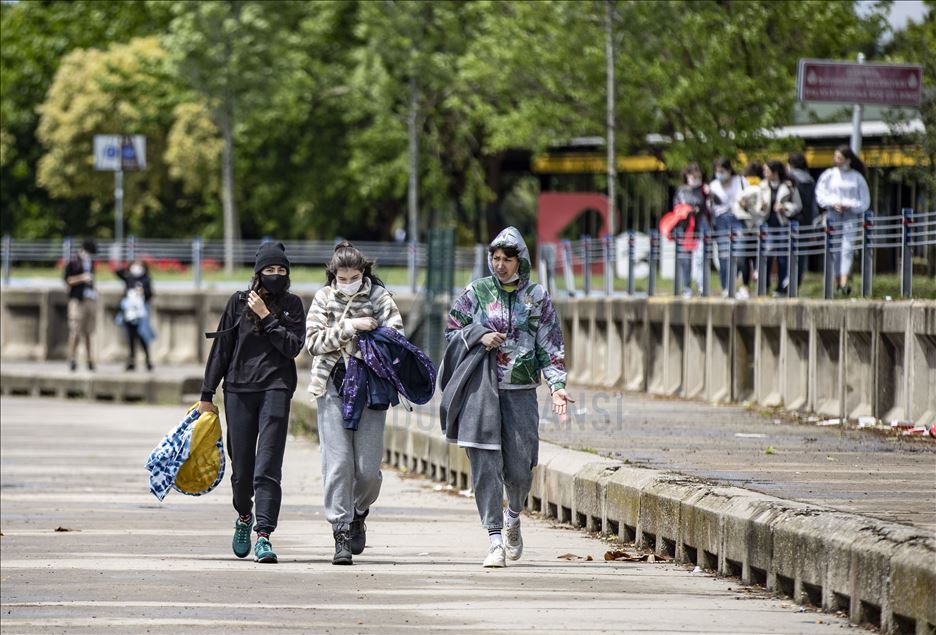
[693, 181]
[136, 270]
[349, 289]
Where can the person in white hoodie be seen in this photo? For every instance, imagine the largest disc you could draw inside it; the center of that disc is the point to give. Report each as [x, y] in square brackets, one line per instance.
[723, 192]
[842, 192]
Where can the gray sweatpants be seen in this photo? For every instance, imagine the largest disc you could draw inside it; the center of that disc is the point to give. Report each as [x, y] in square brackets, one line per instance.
[511, 467]
[350, 459]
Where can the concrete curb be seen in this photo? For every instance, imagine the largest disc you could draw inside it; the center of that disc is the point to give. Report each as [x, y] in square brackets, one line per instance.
[129, 388]
[880, 573]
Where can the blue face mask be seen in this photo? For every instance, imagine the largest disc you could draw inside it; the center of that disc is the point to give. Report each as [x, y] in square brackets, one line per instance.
[722, 176]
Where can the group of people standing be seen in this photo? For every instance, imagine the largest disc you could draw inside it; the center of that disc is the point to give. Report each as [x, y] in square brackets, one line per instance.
[133, 313]
[772, 194]
[506, 323]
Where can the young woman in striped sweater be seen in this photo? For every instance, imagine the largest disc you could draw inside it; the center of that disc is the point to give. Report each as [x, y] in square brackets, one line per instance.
[353, 300]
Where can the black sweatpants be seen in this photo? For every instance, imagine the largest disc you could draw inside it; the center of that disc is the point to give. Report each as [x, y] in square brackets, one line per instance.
[133, 334]
[257, 425]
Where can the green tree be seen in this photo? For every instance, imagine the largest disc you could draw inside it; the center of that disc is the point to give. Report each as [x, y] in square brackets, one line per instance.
[917, 43]
[35, 38]
[127, 89]
[232, 53]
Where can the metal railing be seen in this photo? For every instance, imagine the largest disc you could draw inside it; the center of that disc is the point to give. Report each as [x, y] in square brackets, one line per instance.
[854, 240]
[198, 254]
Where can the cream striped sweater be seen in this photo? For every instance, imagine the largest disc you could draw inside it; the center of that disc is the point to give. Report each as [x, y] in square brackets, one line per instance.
[329, 334]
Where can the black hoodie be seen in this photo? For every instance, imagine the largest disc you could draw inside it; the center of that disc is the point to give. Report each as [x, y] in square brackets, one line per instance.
[251, 361]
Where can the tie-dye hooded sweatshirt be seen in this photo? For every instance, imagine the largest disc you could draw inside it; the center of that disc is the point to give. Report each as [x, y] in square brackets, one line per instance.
[534, 335]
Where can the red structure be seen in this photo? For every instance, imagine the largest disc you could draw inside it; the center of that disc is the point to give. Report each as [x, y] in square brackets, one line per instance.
[555, 210]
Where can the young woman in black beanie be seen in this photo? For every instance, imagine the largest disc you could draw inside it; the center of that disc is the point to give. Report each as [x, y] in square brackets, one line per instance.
[254, 350]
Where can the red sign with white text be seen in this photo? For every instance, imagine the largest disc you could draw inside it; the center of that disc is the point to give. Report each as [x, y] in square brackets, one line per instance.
[853, 83]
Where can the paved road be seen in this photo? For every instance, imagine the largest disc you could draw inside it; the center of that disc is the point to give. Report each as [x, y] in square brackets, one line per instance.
[132, 565]
[859, 471]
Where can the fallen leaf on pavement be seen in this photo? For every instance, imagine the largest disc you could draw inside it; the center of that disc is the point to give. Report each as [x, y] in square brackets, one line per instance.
[571, 556]
[623, 555]
[61, 529]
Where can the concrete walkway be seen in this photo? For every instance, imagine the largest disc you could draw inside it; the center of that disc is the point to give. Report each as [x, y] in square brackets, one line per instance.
[858, 471]
[130, 564]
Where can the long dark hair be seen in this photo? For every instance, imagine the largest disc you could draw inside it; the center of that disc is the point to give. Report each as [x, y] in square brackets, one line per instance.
[347, 256]
[777, 168]
[856, 163]
[274, 303]
[725, 164]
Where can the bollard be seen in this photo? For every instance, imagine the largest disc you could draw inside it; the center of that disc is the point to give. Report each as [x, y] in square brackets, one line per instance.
[567, 270]
[793, 259]
[762, 260]
[631, 248]
[867, 255]
[608, 265]
[827, 263]
[66, 249]
[706, 263]
[7, 256]
[654, 259]
[906, 253]
[677, 278]
[586, 264]
[197, 260]
[732, 262]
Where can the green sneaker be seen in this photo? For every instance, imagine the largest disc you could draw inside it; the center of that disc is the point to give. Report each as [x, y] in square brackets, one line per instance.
[241, 541]
[263, 552]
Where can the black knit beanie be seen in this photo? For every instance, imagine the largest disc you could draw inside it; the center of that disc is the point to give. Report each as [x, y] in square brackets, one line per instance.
[271, 253]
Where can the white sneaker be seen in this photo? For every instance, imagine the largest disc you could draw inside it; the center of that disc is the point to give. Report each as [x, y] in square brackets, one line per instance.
[513, 541]
[742, 294]
[495, 558]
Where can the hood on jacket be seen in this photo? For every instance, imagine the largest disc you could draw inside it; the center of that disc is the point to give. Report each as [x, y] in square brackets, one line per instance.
[511, 237]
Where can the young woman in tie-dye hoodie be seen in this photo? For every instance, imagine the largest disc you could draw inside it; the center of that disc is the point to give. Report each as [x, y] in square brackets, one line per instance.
[528, 337]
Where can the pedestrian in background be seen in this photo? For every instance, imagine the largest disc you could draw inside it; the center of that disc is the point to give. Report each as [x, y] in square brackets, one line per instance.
[842, 193]
[778, 202]
[354, 300]
[254, 351]
[514, 320]
[134, 313]
[723, 194]
[745, 210]
[82, 302]
[693, 192]
[798, 171]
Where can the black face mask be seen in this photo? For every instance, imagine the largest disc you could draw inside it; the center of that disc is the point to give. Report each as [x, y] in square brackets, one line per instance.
[275, 284]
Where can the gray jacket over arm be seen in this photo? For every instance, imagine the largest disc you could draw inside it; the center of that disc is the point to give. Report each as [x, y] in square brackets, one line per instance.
[470, 410]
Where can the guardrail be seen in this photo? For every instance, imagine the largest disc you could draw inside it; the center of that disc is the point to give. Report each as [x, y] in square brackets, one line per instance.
[856, 239]
[199, 254]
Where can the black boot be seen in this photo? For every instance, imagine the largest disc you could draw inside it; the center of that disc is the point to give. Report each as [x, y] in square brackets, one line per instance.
[342, 550]
[358, 531]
